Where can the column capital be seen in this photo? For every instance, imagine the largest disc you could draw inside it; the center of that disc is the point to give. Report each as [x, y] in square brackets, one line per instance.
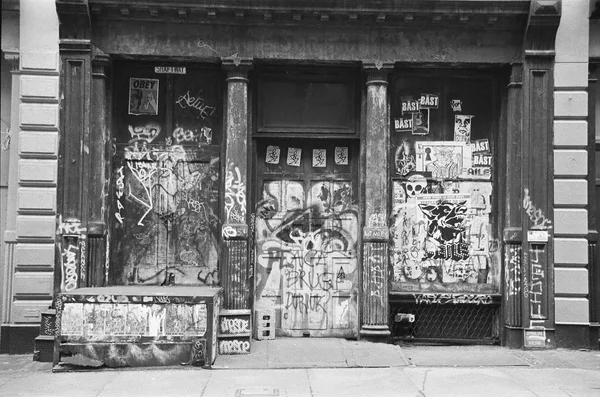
[100, 61]
[237, 68]
[377, 71]
[12, 56]
[516, 75]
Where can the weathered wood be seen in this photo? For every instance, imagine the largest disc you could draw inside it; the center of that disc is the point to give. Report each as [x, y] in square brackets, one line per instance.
[537, 140]
[513, 232]
[234, 271]
[376, 209]
[210, 42]
[73, 170]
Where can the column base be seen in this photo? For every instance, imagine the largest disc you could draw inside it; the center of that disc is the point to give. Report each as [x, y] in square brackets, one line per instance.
[513, 337]
[375, 333]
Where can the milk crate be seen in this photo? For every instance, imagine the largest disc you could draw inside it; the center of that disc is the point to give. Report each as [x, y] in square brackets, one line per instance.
[265, 324]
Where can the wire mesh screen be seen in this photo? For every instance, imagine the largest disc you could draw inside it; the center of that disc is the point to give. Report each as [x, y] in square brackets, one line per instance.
[445, 323]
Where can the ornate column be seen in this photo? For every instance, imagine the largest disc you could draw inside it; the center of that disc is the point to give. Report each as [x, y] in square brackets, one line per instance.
[374, 324]
[235, 269]
[537, 194]
[513, 231]
[97, 182]
[73, 163]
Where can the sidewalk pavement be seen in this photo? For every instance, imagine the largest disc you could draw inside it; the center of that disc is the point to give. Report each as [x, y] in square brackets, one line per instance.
[329, 367]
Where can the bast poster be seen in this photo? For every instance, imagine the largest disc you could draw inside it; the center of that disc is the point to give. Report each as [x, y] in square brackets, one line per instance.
[143, 96]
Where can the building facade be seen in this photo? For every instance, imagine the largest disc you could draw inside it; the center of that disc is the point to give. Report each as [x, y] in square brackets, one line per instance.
[398, 171]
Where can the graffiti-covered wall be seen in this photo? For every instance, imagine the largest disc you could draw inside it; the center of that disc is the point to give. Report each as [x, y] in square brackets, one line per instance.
[444, 232]
[165, 176]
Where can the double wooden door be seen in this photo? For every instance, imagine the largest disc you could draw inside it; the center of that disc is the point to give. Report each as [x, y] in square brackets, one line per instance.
[306, 236]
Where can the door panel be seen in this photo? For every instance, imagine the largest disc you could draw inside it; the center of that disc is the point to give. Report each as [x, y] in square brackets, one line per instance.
[306, 245]
[166, 206]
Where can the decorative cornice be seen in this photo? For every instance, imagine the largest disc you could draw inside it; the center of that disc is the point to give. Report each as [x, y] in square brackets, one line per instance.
[488, 14]
[540, 36]
[74, 17]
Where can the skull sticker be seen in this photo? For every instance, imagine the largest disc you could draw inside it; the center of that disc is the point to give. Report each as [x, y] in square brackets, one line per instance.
[415, 185]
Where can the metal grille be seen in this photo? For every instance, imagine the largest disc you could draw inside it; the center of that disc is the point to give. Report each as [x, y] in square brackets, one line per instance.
[447, 323]
[47, 324]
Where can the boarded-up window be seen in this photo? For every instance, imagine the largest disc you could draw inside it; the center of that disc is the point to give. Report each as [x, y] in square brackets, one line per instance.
[165, 176]
[304, 102]
[444, 161]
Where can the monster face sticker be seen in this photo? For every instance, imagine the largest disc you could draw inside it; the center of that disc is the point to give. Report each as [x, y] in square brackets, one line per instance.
[416, 185]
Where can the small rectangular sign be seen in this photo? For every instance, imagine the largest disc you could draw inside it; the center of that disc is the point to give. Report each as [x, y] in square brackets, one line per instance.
[537, 236]
[534, 338]
[170, 69]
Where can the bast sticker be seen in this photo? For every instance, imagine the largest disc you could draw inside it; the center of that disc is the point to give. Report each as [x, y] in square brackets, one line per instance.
[143, 96]
[429, 101]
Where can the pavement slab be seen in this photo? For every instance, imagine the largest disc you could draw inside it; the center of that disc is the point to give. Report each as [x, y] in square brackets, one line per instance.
[145, 383]
[561, 382]
[461, 356]
[68, 384]
[258, 383]
[361, 382]
[465, 382]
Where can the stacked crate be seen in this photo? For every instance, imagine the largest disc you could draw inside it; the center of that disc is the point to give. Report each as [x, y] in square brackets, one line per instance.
[235, 331]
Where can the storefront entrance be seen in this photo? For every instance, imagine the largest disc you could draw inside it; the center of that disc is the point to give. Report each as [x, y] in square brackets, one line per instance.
[306, 236]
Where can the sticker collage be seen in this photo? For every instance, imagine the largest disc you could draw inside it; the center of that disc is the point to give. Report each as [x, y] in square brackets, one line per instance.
[294, 156]
[441, 198]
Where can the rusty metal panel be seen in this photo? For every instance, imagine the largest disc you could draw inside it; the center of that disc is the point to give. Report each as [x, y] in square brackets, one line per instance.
[375, 289]
[235, 278]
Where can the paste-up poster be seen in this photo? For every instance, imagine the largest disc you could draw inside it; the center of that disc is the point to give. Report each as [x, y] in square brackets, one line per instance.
[294, 156]
[462, 127]
[341, 155]
[143, 96]
[420, 122]
[272, 156]
[319, 158]
[481, 161]
[445, 160]
[404, 158]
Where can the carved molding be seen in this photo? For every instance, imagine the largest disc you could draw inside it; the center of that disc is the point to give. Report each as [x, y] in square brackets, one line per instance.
[12, 56]
[544, 18]
[417, 13]
[377, 71]
[237, 68]
[75, 23]
[100, 61]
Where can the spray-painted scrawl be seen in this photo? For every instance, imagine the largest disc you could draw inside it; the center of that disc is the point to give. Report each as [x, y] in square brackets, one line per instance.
[306, 260]
[168, 212]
